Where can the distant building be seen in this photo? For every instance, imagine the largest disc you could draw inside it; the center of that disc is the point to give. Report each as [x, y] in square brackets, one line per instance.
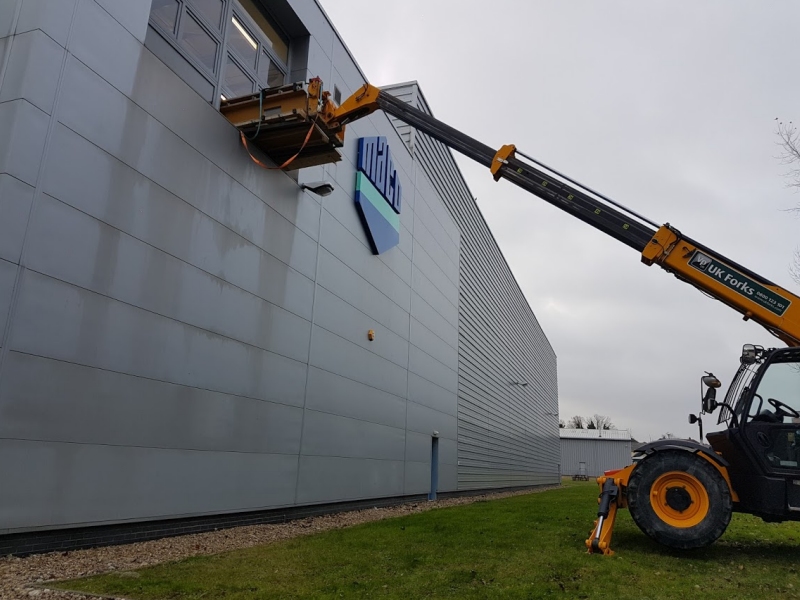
[593, 451]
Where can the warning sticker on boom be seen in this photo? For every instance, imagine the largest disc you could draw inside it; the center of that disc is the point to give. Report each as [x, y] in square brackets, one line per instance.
[739, 283]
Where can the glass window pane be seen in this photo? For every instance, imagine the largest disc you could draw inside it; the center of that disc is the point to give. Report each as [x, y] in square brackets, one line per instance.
[243, 42]
[210, 9]
[236, 81]
[165, 13]
[198, 42]
[274, 39]
[268, 72]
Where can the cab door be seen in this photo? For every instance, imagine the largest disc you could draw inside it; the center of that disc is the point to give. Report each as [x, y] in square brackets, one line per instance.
[772, 424]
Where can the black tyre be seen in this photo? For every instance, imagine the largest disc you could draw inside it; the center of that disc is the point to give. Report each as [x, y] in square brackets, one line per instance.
[679, 499]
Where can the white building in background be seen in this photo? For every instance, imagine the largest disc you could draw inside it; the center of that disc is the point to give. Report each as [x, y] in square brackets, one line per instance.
[594, 451]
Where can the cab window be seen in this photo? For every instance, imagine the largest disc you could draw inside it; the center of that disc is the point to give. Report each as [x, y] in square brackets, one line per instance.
[781, 382]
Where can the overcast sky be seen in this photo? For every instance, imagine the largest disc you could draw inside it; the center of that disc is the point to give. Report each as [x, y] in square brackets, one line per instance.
[667, 107]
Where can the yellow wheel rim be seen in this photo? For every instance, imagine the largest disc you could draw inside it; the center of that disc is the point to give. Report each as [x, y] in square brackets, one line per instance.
[679, 499]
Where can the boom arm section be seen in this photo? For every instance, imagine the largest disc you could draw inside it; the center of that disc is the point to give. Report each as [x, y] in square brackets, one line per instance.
[776, 309]
[504, 164]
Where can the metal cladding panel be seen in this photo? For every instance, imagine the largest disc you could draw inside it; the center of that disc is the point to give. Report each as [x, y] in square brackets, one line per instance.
[507, 432]
[333, 478]
[65, 322]
[53, 17]
[426, 313]
[197, 218]
[59, 401]
[436, 247]
[331, 435]
[418, 447]
[599, 455]
[443, 307]
[8, 274]
[427, 367]
[418, 476]
[339, 395]
[23, 129]
[139, 139]
[132, 15]
[330, 352]
[275, 264]
[70, 246]
[394, 282]
[47, 484]
[32, 71]
[189, 333]
[426, 393]
[7, 10]
[335, 276]
[436, 347]
[337, 316]
[15, 205]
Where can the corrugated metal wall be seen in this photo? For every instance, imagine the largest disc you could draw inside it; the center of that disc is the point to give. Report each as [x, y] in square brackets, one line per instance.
[507, 434]
[599, 455]
[183, 333]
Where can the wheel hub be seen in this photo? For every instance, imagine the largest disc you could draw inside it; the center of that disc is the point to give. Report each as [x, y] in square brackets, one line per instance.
[678, 498]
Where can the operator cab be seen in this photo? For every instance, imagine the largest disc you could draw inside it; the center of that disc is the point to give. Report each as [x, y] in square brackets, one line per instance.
[762, 439]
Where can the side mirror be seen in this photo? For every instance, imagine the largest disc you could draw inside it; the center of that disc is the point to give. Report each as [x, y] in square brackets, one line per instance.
[748, 354]
[709, 401]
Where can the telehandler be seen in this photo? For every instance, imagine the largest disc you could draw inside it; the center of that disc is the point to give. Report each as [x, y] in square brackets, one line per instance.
[680, 493]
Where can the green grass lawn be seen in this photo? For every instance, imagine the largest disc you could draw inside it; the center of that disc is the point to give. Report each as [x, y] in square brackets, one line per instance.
[527, 546]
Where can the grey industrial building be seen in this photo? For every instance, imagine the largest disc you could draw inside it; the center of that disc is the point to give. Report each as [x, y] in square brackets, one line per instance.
[184, 334]
[594, 451]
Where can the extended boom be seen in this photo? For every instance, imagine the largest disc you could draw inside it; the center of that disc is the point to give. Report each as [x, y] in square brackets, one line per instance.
[681, 493]
[753, 296]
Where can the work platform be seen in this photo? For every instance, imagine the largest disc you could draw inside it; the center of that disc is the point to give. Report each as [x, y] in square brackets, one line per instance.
[279, 121]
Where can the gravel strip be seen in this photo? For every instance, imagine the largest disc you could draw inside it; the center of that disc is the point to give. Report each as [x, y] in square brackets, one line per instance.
[22, 578]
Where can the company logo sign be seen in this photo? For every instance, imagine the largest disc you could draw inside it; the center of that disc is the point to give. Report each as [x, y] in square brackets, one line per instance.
[378, 194]
[739, 283]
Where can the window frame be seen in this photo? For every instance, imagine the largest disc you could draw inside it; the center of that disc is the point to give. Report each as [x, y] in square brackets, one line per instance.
[221, 35]
[262, 48]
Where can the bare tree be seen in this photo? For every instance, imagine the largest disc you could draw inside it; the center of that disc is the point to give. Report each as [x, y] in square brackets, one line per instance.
[790, 155]
[790, 152]
[575, 422]
[667, 436]
[599, 422]
[561, 424]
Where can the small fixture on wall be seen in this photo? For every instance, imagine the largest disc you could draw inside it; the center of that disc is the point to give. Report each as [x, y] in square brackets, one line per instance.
[320, 188]
[371, 335]
[435, 433]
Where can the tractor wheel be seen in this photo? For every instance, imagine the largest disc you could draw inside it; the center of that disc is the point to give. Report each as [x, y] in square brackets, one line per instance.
[679, 499]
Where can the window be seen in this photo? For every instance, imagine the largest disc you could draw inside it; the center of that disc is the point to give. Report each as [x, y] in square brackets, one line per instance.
[252, 62]
[196, 39]
[781, 383]
[165, 14]
[274, 40]
[232, 44]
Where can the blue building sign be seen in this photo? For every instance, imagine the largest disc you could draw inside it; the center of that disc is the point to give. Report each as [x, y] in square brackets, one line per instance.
[378, 194]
